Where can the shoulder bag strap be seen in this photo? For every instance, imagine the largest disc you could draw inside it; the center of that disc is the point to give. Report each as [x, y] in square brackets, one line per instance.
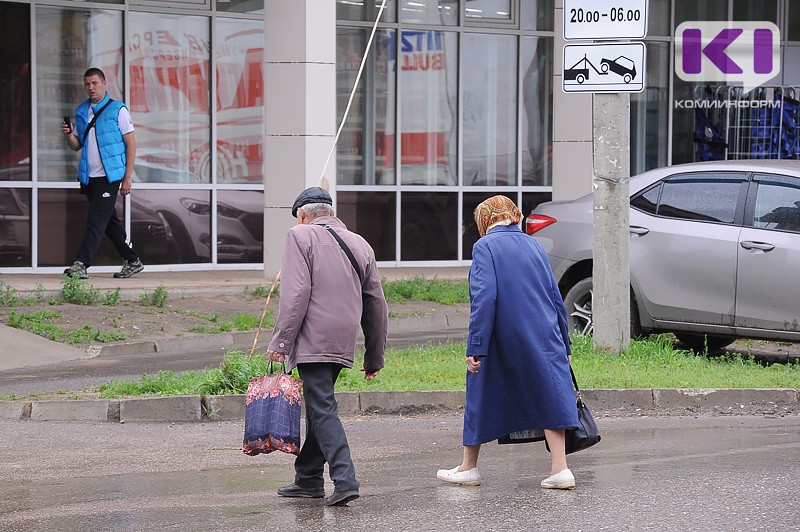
[346, 252]
[94, 119]
[575, 383]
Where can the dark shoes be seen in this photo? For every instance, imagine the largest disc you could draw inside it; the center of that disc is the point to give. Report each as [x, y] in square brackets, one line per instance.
[293, 490]
[341, 498]
[129, 268]
[338, 498]
[77, 269]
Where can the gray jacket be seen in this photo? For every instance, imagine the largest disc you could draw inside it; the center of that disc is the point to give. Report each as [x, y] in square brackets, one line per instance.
[322, 300]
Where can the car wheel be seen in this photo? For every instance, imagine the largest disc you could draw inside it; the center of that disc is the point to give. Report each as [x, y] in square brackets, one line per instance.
[579, 309]
[627, 78]
[604, 68]
[699, 342]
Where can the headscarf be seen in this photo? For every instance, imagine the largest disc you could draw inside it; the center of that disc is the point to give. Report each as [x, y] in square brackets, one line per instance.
[495, 210]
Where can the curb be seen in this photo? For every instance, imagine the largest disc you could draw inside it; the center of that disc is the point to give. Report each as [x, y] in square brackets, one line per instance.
[196, 408]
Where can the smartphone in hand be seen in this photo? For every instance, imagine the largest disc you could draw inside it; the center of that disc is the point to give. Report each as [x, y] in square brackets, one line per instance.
[68, 122]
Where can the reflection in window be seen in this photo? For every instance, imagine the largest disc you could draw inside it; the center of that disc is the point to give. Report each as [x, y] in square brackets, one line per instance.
[537, 111]
[429, 224]
[182, 216]
[489, 9]
[62, 222]
[240, 226]
[241, 6]
[15, 227]
[658, 15]
[700, 10]
[778, 207]
[373, 216]
[365, 10]
[647, 201]
[537, 14]
[15, 93]
[169, 79]
[69, 42]
[442, 12]
[704, 201]
[650, 112]
[490, 109]
[428, 107]
[239, 53]
[366, 147]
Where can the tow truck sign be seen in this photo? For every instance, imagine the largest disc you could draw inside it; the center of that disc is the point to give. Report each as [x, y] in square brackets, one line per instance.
[612, 67]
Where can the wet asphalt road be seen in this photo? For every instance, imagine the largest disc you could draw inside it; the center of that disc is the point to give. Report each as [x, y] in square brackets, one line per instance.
[664, 473]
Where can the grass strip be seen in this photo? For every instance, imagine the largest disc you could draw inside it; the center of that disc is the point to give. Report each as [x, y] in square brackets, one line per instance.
[649, 363]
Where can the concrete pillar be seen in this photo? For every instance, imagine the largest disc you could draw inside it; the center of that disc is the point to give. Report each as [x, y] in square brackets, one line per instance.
[300, 110]
[611, 265]
[572, 128]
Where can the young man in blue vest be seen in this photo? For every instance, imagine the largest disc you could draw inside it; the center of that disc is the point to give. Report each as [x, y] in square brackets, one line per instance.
[103, 132]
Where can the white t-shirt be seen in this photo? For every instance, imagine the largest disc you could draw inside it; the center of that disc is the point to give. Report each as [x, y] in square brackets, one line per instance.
[95, 163]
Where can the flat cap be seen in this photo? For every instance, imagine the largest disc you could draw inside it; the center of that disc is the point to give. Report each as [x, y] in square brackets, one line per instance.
[311, 195]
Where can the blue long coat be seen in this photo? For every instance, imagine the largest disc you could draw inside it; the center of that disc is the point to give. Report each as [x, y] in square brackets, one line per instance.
[518, 328]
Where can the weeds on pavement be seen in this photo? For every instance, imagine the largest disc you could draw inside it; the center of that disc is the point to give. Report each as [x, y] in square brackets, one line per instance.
[158, 298]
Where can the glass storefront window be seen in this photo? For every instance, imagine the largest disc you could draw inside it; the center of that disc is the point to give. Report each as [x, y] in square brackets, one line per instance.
[15, 227]
[538, 14]
[366, 147]
[241, 6]
[792, 20]
[700, 10]
[537, 111]
[438, 12]
[429, 225]
[373, 216]
[365, 10]
[15, 93]
[68, 43]
[169, 97]
[428, 107]
[650, 112]
[240, 226]
[489, 9]
[239, 55]
[490, 109]
[62, 222]
[755, 10]
[181, 217]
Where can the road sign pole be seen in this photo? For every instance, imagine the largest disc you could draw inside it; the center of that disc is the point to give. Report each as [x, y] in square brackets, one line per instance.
[611, 266]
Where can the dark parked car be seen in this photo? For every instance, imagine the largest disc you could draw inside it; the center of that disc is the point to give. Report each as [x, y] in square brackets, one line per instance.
[621, 65]
[714, 252]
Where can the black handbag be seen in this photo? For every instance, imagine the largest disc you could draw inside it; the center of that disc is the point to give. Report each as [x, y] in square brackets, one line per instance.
[577, 439]
[587, 433]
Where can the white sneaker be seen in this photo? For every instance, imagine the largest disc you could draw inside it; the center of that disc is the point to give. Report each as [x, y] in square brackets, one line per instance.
[563, 480]
[470, 477]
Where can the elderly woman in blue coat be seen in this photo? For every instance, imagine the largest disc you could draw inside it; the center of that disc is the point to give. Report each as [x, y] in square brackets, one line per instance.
[518, 375]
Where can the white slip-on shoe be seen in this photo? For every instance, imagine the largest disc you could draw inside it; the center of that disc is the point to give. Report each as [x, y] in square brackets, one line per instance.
[563, 480]
[470, 477]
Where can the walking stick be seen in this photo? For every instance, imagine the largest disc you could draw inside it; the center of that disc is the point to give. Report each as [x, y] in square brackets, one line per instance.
[263, 314]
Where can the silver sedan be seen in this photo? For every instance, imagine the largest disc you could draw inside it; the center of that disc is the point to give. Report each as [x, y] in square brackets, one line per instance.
[714, 252]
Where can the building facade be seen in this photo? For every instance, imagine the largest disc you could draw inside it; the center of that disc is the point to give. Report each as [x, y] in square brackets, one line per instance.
[237, 104]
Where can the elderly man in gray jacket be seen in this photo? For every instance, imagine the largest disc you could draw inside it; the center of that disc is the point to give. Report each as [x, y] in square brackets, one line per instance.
[323, 299]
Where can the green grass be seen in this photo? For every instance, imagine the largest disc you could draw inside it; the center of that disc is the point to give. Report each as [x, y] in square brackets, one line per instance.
[420, 289]
[158, 298]
[10, 298]
[41, 323]
[649, 363]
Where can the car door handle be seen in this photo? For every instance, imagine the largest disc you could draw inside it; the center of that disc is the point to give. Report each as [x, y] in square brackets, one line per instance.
[641, 231]
[763, 246]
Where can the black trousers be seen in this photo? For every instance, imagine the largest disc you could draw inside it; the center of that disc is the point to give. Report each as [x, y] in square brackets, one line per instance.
[103, 220]
[325, 437]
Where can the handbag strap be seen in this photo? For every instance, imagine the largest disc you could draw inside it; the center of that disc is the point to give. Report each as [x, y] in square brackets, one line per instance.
[94, 119]
[575, 383]
[346, 252]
